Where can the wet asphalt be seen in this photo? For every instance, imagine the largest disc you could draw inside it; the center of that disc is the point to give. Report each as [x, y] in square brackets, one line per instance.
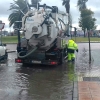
[39, 82]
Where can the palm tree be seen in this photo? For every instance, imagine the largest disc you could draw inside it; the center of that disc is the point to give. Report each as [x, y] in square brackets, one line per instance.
[81, 4]
[67, 5]
[17, 7]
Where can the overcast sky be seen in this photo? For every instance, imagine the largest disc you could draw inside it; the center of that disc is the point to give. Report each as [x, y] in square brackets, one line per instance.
[94, 5]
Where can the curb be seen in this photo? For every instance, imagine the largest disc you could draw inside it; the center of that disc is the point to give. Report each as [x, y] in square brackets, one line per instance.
[75, 90]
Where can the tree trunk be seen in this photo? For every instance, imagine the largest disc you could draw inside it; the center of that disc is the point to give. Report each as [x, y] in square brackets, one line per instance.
[89, 47]
[68, 24]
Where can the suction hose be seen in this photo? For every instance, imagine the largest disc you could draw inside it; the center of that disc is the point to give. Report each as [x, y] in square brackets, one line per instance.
[27, 53]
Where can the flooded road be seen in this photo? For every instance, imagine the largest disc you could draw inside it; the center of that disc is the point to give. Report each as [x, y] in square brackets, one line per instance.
[36, 82]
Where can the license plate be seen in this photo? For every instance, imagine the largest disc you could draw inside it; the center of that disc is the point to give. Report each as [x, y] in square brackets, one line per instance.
[37, 62]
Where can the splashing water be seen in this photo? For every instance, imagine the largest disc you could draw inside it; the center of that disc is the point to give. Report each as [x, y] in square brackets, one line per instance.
[82, 61]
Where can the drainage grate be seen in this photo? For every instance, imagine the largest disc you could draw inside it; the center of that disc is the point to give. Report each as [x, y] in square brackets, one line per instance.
[91, 79]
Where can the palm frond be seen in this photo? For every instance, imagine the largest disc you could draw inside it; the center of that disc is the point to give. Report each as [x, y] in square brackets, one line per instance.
[81, 4]
[16, 8]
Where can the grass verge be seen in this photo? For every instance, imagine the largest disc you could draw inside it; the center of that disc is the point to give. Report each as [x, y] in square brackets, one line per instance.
[14, 39]
[85, 39]
[10, 39]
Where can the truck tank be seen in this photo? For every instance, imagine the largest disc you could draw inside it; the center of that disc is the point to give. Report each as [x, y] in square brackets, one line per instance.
[41, 28]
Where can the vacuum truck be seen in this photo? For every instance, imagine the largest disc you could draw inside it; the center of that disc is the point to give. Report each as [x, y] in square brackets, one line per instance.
[44, 30]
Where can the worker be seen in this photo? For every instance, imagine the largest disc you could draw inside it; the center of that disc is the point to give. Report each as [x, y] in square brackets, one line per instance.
[71, 47]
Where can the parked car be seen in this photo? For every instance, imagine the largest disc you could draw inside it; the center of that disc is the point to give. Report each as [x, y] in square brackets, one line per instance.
[3, 52]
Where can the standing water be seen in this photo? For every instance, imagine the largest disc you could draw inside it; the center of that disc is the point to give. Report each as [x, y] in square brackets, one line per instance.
[83, 68]
[36, 82]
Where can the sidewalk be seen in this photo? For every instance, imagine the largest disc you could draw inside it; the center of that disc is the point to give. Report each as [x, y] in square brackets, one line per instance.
[88, 75]
[88, 90]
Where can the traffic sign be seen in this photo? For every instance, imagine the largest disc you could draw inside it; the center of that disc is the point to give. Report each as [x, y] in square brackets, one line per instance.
[2, 25]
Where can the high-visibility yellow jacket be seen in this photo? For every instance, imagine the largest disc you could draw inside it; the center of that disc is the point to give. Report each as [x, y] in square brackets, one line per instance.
[72, 45]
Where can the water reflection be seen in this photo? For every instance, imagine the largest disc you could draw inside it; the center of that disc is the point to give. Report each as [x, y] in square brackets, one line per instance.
[12, 84]
[45, 82]
[54, 83]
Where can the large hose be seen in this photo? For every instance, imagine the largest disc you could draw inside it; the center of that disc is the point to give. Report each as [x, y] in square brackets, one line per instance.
[28, 54]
